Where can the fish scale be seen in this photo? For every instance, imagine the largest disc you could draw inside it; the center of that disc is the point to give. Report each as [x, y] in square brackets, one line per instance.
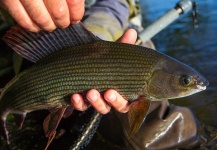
[62, 73]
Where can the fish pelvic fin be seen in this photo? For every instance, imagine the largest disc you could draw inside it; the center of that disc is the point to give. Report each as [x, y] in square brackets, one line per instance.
[34, 46]
[137, 113]
[52, 121]
[50, 139]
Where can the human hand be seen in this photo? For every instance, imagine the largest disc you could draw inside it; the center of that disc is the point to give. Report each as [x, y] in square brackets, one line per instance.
[111, 98]
[44, 14]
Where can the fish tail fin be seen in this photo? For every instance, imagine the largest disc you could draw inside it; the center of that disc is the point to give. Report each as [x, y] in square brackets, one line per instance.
[19, 119]
[3, 129]
[3, 116]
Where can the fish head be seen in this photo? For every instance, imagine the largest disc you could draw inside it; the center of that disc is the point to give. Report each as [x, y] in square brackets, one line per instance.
[173, 79]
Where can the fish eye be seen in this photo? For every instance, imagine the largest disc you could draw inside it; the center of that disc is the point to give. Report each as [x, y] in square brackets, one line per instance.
[185, 80]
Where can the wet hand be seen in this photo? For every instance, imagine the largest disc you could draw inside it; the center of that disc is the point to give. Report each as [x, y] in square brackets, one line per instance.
[111, 98]
[44, 14]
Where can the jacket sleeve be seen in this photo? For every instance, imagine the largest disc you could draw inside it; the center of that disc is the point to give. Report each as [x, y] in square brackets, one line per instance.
[108, 19]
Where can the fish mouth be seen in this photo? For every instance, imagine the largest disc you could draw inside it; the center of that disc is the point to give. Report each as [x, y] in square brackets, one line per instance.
[202, 85]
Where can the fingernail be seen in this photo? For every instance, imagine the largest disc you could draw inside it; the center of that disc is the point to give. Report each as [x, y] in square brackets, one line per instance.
[93, 97]
[111, 97]
[75, 98]
[76, 101]
[74, 22]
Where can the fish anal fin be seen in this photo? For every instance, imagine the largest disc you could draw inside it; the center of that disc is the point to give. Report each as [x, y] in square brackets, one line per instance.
[137, 113]
[52, 121]
[50, 139]
[19, 119]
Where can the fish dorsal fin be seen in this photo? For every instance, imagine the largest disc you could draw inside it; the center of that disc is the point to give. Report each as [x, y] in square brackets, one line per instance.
[34, 46]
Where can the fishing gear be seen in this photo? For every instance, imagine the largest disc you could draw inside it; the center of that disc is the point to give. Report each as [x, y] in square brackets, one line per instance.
[182, 7]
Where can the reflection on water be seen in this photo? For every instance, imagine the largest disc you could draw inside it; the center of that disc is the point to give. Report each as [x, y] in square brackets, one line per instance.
[196, 47]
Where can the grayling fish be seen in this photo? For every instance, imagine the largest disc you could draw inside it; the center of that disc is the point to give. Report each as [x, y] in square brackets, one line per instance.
[73, 60]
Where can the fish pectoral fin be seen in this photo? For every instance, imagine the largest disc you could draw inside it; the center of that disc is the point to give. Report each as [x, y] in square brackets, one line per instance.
[19, 119]
[52, 121]
[137, 113]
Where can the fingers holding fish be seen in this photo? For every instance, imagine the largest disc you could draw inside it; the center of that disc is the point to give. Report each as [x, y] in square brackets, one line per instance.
[20, 15]
[59, 12]
[76, 10]
[46, 15]
[116, 100]
[97, 101]
[38, 12]
[102, 105]
[94, 98]
[78, 103]
[129, 37]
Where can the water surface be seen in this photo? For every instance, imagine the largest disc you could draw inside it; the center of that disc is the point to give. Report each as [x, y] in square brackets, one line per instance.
[196, 47]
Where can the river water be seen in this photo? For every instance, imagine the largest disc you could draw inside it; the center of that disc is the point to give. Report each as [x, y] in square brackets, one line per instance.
[195, 47]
